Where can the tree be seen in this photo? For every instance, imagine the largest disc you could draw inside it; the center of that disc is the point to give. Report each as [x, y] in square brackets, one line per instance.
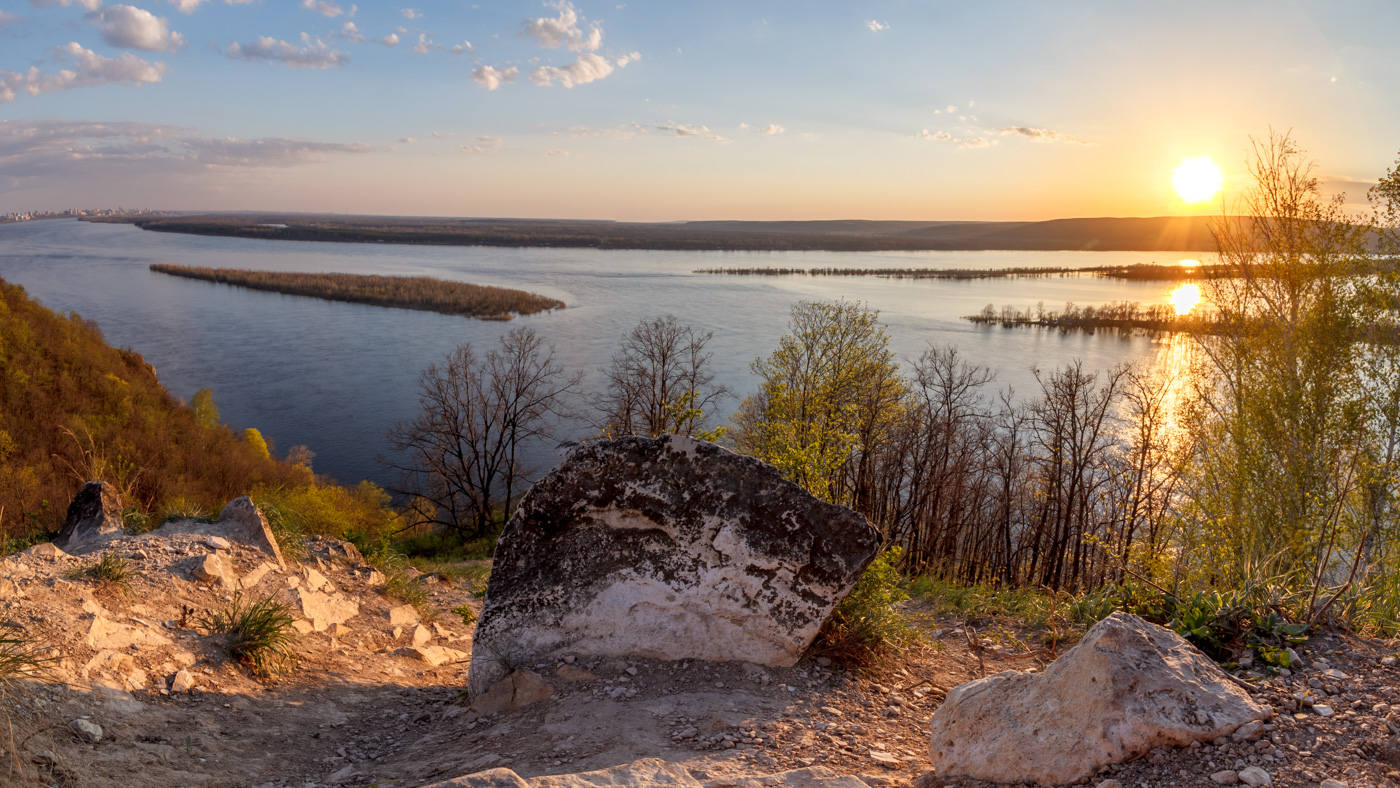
[659, 382]
[829, 398]
[462, 454]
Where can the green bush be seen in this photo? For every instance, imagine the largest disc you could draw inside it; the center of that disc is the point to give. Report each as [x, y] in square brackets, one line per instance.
[111, 571]
[259, 634]
[867, 625]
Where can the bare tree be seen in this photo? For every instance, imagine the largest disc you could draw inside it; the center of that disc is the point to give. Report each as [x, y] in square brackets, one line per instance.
[659, 382]
[462, 454]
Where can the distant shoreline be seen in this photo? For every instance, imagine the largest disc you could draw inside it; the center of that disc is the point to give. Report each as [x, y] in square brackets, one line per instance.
[1188, 235]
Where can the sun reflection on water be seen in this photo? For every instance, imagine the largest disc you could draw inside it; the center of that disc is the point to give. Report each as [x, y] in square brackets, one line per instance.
[1185, 298]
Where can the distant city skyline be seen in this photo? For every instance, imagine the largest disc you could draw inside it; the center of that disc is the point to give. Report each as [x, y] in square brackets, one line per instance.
[642, 111]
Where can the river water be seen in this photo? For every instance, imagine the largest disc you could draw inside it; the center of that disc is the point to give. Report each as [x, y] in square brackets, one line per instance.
[336, 376]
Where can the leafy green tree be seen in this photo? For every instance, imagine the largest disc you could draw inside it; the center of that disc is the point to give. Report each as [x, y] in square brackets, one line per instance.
[205, 411]
[255, 441]
[829, 398]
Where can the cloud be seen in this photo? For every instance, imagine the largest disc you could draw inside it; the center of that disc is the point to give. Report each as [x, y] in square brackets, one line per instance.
[941, 136]
[463, 48]
[77, 149]
[323, 7]
[129, 27]
[411, 13]
[189, 6]
[391, 40]
[630, 57]
[1042, 135]
[491, 77]
[622, 132]
[685, 130]
[91, 5]
[7, 18]
[312, 54]
[588, 68]
[563, 30]
[89, 69]
[425, 44]
[977, 142]
[877, 26]
[407, 140]
[772, 128]
[558, 153]
[483, 146]
[351, 33]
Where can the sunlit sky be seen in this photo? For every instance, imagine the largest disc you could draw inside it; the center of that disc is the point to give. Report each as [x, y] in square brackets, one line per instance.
[666, 111]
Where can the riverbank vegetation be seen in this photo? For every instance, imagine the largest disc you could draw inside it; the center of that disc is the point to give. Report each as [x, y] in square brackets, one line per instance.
[402, 292]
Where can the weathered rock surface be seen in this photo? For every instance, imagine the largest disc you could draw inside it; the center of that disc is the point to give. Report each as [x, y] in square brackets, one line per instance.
[666, 548]
[324, 610]
[106, 634]
[651, 773]
[215, 568]
[518, 689]
[1127, 687]
[94, 515]
[244, 521]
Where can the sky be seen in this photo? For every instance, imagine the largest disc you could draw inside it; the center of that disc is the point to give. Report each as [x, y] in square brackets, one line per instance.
[667, 111]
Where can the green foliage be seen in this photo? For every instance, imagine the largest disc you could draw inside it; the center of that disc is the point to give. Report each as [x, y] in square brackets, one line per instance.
[255, 441]
[258, 634]
[468, 615]
[867, 625]
[399, 582]
[110, 571]
[21, 657]
[182, 508]
[205, 411]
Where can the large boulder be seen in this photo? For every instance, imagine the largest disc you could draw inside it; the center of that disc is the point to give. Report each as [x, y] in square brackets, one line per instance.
[1127, 687]
[241, 519]
[94, 516]
[666, 548]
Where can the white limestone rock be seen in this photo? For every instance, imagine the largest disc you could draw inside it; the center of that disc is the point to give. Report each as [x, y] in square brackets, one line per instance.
[241, 519]
[666, 548]
[1127, 687]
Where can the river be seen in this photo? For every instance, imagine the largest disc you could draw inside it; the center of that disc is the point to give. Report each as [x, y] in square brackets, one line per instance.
[335, 376]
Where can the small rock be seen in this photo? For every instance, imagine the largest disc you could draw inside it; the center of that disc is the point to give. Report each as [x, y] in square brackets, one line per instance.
[1388, 661]
[47, 550]
[183, 682]
[518, 689]
[631, 671]
[824, 661]
[88, 731]
[421, 635]
[214, 568]
[1109, 784]
[1323, 710]
[885, 759]
[94, 514]
[402, 616]
[1333, 784]
[216, 543]
[1225, 777]
[571, 673]
[1255, 776]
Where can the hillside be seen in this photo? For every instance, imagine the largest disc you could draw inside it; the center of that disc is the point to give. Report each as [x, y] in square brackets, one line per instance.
[1164, 233]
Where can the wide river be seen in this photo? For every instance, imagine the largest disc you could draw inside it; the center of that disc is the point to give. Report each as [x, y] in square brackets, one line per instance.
[336, 376]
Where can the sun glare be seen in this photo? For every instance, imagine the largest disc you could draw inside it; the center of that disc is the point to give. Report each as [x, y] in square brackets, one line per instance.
[1190, 263]
[1185, 298]
[1197, 180]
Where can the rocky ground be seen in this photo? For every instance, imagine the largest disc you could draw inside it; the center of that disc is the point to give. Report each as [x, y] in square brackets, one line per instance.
[379, 698]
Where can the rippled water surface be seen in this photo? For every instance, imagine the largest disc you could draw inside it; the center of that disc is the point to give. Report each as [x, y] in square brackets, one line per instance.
[335, 376]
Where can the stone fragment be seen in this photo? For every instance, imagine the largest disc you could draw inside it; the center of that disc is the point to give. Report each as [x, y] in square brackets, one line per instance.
[1255, 776]
[326, 609]
[402, 616]
[1332, 784]
[47, 550]
[87, 730]
[241, 519]
[1225, 777]
[518, 689]
[646, 773]
[1110, 784]
[667, 548]
[1129, 686]
[433, 655]
[303, 627]
[254, 577]
[886, 759]
[216, 543]
[421, 636]
[811, 777]
[115, 697]
[1323, 710]
[108, 661]
[317, 581]
[94, 516]
[106, 634]
[571, 673]
[9, 589]
[183, 682]
[215, 568]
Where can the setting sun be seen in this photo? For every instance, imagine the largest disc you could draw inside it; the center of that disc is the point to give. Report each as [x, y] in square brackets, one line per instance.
[1185, 298]
[1197, 180]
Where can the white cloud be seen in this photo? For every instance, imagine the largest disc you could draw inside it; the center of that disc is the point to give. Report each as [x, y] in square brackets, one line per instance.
[189, 6]
[1042, 135]
[91, 5]
[391, 40]
[89, 69]
[563, 30]
[425, 44]
[977, 142]
[323, 7]
[410, 13]
[266, 152]
[556, 152]
[588, 68]
[482, 146]
[129, 27]
[941, 136]
[685, 130]
[312, 53]
[408, 140]
[772, 128]
[7, 18]
[463, 48]
[630, 57]
[351, 33]
[491, 77]
[951, 108]
[876, 26]
[622, 132]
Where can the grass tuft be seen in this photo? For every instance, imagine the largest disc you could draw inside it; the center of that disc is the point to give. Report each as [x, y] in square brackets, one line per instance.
[259, 634]
[866, 626]
[398, 582]
[287, 525]
[21, 657]
[110, 572]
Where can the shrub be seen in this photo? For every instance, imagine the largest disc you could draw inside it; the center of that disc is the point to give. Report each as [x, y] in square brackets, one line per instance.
[866, 626]
[398, 585]
[259, 634]
[111, 571]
